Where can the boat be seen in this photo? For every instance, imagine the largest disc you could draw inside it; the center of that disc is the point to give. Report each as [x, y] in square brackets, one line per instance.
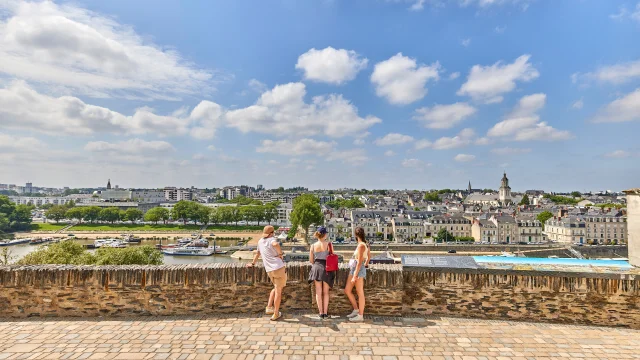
[507, 254]
[554, 257]
[40, 241]
[184, 241]
[199, 243]
[189, 251]
[131, 239]
[109, 243]
[14, 242]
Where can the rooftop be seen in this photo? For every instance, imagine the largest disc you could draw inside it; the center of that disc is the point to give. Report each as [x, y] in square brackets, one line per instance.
[301, 337]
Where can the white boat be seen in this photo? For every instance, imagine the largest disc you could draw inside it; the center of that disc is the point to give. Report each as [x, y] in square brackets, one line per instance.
[109, 243]
[507, 254]
[189, 251]
[15, 242]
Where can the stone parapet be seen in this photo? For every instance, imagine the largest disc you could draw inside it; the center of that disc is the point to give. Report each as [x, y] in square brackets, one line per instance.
[610, 299]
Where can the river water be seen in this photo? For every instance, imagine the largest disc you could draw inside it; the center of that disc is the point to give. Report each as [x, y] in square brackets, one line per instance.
[18, 251]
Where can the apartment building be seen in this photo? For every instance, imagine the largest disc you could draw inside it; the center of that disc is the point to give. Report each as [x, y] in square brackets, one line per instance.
[456, 225]
[568, 230]
[408, 229]
[177, 194]
[147, 196]
[484, 230]
[373, 222]
[39, 200]
[606, 229]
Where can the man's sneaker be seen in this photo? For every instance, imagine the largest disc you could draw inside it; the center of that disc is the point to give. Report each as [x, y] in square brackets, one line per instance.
[357, 318]
[353, 313]
[269, 310]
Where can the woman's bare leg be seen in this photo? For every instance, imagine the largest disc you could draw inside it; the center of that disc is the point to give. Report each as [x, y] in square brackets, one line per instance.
[325, 297]
[319, 296]
[360, 291]
[348, 290]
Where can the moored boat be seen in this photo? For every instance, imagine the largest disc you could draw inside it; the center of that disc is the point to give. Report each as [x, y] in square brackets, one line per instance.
[14, 242]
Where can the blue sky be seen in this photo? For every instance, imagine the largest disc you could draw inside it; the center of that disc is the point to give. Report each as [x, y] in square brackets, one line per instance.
[325, 94]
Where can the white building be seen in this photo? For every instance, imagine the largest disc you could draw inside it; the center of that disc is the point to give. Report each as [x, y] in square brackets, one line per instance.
[177, 194]
[40, 200]
[147, 196]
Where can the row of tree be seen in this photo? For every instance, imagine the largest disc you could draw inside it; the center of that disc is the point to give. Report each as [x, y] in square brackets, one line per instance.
[72, 253]
[14, 217]
[352, 203]
[92, 214]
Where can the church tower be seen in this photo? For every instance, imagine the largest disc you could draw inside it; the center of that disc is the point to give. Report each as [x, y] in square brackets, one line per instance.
[469, 187]
[505, 191]
[109, 184]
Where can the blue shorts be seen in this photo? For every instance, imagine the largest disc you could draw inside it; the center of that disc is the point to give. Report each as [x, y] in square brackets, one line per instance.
[361, 274]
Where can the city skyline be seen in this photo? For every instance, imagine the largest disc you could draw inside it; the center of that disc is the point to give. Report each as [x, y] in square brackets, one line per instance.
[388, 94]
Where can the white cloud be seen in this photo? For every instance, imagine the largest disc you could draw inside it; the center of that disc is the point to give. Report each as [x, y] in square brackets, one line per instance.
[500, 29]
[401, 80]
[578, 104]
[423, 144]
[353, 156]
[67, 47]
[454, 75]
[524, 115]
[464, 158]
[488, 84]
[296, 147]
[613, 74]
[510, 151]
[131, 146]
[332, 66]
[483, 141]
[523, 123]
[618, 154]
[444, 116]
[542, 132]
[414, 163]
[283, 110]
[389, 153]
[626, 108]
[198, 156]
[417, 6]
[10, 144]
[464, 138]
[393, 139]
[466, 42]
[625, 13]
[257, 86]
[211, 148]
[21, 107]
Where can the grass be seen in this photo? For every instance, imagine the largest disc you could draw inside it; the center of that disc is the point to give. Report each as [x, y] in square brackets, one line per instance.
[47, 227]
[133, 227]
[214, 228]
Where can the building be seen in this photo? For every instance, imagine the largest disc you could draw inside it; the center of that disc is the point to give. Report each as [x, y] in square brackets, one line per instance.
[606, 229]
[484, 231]
[40, 200]
[406, 229]
[504, 194]
[177, 194]
[28, 188]
[568, 230]
[633, 228]
[529, 230]
[456, 225]
[373, 222]
[284, 213]
[147, 196]
[232, 192]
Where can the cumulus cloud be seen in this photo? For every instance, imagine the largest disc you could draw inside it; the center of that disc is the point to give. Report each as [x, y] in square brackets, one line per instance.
[612, 74]
[623, 109]
[578, 104]
[283, 110]
[414, 163]
[352, 156]
[466, 42]
[488, 84]
[131, 146]
[10, 144]
[523, 123]
[389, 153]
[21, 107]
[618, 154]
[257, 86]
[422, 144]
[464, 138]
[401, 80]
[297, 147]
[67, 47]
[211, 148]
[624, 13]
[444, 116]
[464, 158]
[510, 151]
[454, 75]
[332, 66]
[393, 139]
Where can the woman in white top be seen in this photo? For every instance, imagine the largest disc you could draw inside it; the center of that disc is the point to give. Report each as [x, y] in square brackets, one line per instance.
[357, 274]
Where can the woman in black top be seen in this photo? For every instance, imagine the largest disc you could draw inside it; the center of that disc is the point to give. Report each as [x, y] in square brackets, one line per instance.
[319, 275]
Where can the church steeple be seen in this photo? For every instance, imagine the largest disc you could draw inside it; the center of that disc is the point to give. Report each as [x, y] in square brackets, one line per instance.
[469, 186]
[109, 184]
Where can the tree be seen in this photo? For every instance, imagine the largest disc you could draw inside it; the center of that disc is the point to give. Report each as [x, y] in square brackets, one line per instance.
[214, 216]
[431, 196]
[57, 213]
[525, 200]
[138, 255]
[164, 213]
[21, 217]
[444, 236]
[153, 215]
[6, 256]
[306, 212]
[92, 213]
[7, 207]
[133, 215]
[235, 214]
[270, 212]
[488, 191]
[110, 214]
[70, 252]
[76, 213]
[576, 194]
[46, 206]
[203, 214]
[181, 211]
[225, 214]
[544, 216]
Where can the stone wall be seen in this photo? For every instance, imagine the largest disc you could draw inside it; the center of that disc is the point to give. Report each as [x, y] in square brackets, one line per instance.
[59, 290]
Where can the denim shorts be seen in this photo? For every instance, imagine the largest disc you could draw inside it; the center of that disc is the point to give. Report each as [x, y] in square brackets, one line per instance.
[361, 274]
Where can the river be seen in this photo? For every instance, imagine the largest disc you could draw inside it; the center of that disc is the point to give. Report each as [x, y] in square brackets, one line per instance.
[18, 251]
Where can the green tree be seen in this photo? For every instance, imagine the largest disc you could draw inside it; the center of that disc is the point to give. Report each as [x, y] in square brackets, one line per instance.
[110, 214]
[133, 215]
[225, 214]
[576, 194]
[92, 213]
[235, 214]
[214, 216]
[76, 213]
[306, 212]
[432, 196]
[138, 255]
[46, 206]
[152, 215]
[203, 214]
[7, 207]
[270, 212]
[21, 217]
[6, 256]
[164, 213]
[57, 213]
[181, 210]
[444, 236]
[543, 217]
[525, 200]
[488, 191]
[69, 252]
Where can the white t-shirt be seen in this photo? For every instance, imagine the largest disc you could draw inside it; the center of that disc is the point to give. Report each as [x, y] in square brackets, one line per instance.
[269, 254]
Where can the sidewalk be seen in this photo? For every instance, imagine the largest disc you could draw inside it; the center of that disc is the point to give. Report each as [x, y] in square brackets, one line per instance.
[301, 337]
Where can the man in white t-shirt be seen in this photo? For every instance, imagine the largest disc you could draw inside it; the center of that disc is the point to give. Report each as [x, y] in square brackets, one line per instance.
[269, 249]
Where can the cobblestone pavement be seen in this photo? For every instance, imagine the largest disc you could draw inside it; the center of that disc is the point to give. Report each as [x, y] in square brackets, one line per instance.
[302, 337]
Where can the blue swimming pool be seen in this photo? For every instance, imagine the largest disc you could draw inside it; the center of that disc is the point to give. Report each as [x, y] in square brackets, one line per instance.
[547, 261]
